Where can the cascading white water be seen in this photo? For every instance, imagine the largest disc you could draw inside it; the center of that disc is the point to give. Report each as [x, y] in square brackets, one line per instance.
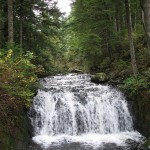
[73, 106]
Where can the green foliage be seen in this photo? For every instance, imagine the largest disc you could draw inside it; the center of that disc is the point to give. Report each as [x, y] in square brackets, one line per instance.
[147, 74]
[104, 63]
[134, 85]
[91, 50]
[96, 36]
[18, 75]
[36, 29]
[147, 144]
[121, 65]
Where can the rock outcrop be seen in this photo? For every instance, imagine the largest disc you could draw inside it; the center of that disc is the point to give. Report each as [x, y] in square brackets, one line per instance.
[99, 78]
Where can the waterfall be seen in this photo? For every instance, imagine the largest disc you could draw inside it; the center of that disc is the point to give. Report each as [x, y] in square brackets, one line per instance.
[71, 106]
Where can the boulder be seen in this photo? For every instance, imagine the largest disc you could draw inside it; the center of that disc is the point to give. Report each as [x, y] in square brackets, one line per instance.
[99, 78]
[75, 70]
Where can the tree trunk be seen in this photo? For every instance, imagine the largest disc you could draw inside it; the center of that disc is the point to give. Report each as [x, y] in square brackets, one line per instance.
[1, 27]
[21, 34]
[130, 37]
[21, 24]
[117, 15]
[146, 9]
[10, 22]
[118, 26]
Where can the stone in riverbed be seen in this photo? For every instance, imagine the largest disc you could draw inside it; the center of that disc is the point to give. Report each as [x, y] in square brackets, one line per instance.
[75, 70]
[99, 78]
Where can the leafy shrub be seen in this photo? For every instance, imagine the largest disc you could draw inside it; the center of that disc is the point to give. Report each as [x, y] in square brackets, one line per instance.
[122, 65]
[18, 75]
[135, 84]
[147, 144]
[105, 63]
[147, 74]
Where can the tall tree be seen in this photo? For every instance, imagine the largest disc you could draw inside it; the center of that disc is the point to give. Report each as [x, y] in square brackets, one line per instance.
[130, 37]
[10, 21]
[146, 9]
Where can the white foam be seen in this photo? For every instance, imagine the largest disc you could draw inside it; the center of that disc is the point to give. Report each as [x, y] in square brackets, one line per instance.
[95, 140]
[83, 111]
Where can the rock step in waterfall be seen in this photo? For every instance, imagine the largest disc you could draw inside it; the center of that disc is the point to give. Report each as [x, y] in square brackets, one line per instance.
[70, 108]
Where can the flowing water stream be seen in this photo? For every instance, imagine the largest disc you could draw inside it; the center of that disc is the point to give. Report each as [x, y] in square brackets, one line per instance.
[70, 110]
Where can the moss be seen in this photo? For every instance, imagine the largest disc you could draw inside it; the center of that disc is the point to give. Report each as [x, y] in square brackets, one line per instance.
[99, 78]
[147, 144]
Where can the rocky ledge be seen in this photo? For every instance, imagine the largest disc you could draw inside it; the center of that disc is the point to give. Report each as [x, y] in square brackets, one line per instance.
[99, 78]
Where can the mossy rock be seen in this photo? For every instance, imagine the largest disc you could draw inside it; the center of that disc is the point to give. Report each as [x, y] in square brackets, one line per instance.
[75, 70]
[99, 78]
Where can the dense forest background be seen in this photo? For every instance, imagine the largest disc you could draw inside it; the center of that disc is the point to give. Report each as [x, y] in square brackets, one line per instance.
[36, 40]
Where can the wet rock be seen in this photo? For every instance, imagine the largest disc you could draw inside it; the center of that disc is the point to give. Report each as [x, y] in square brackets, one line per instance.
[75, 70]
[99, 78]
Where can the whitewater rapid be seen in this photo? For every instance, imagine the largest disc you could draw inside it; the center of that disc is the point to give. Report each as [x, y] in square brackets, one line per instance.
[69, 108]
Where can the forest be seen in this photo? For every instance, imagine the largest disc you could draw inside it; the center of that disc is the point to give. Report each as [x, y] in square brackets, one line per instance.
[37, 40]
